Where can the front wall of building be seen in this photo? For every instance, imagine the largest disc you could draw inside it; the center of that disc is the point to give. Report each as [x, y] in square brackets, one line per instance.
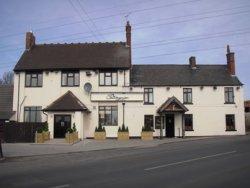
[208, 106]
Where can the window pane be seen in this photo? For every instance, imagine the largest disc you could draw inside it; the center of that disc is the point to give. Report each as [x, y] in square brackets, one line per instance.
[188, 120]
[26, 116]
[108, 116]
[64, 79]
[70, 81]
[38, 116]
[148, 121]
[40, 80]
[27, 80]
[230, 122]
[114, 78]
[77, 79]
[107, 81]
[151, 97]
[33, 81]
[32, 116]
[146, 97]
[114, 116]
[101, 81]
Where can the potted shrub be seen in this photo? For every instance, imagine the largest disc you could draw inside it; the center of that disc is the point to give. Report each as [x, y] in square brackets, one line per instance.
[46, 133]
[123, 133]
[100, 133]
[147, 133]
[39, 136]
[71, 135]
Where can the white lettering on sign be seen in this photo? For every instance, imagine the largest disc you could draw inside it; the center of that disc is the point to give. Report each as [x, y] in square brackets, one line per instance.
[113, 96]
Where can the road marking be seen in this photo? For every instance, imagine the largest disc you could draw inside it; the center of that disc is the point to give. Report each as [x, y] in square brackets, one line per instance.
[61, 186]
[190, 160]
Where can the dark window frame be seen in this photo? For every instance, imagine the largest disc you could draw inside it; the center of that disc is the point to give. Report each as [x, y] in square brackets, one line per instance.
[112, 112]
[152, 123]
[67, 78]
[148, 91]
[230, 123]
[227, 92]
[186, 92]
[161, 122]
[28, 109]
[111, 72]
[33, 77]
[188, 122]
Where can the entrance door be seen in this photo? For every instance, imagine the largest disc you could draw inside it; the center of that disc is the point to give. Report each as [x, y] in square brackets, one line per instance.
[169, 125]
[61, 124]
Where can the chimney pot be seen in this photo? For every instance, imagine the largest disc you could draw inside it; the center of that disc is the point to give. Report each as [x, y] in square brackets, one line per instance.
[230, 61]
[30, 40]
[192, 62]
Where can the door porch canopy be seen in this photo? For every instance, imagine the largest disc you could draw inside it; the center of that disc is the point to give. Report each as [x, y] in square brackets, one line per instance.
[67, 102]
[171, 105]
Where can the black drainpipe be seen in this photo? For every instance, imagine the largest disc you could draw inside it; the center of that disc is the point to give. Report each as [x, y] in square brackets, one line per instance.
[18, 91]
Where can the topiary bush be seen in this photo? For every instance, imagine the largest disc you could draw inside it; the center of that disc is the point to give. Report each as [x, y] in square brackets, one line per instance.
[123, 129]
[46, 128]
[70, 130]
[100, 128]
[74, 127]
[40, 130]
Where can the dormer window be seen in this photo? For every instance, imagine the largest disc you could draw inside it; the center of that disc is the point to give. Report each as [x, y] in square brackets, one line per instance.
[108, 78]
[33, 79]
[70, 78]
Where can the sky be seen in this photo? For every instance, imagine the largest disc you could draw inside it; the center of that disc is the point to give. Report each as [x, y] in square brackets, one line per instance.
[163, 31]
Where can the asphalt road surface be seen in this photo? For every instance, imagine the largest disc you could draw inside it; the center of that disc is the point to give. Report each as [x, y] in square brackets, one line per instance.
[214, 162]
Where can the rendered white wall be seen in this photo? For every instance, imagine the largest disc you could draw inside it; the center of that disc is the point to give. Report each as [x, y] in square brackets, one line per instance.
[208, 107]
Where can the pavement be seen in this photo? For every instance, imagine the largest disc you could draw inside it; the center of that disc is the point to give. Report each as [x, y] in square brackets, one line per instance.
[59, 146]
[216, 162]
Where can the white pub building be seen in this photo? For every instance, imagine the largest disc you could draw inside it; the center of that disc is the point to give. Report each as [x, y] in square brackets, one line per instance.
[91, 84]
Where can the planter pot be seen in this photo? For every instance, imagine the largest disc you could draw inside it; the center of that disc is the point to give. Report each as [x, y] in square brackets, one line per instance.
[71, 137]
[39, 138]
[46, 136]
[75, 136]
[123, 136]
[147, 135]
[100, 135]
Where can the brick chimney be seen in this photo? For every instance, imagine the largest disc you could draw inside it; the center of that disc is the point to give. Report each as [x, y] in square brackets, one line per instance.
[192, 62]
[128, 34]
[230, 61]
[128, 41]
[30, 40]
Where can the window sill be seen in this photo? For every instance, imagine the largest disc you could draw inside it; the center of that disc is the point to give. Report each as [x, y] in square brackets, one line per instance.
[188, 103]
[108, 85]
[148, 103]
[69, 86]
[229, 103]
[33, 86]
[190, 130]
[231, 130]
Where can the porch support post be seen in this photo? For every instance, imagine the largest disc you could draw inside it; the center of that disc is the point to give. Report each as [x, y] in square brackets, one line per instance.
[183, 126]
[161, 129]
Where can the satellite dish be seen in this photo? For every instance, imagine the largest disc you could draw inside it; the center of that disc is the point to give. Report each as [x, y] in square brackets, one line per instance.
[87, 87]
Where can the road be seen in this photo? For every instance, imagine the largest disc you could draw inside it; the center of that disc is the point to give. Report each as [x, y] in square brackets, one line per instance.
[214, 162]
